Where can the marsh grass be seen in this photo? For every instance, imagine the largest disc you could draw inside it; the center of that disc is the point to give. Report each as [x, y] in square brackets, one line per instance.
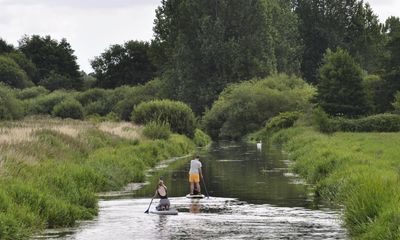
[357, 170]
[51, 171]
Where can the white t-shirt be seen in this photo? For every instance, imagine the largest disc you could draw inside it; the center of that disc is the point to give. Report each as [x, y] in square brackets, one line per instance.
[195, 165]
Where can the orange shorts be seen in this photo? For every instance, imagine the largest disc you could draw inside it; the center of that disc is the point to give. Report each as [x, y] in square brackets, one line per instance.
[194, 178]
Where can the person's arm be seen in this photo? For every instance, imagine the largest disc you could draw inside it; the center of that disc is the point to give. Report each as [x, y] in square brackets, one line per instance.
[155, 194]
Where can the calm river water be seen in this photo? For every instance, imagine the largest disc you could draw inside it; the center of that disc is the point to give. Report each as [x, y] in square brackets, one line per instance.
[252, 196]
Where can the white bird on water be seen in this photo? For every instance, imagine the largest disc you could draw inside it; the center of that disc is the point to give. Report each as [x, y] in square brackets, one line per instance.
[259, 144]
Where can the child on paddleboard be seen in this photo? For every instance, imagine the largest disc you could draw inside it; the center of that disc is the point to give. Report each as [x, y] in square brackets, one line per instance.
[161, 192]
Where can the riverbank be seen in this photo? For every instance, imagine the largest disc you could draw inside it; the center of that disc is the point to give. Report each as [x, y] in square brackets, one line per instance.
[51, 170]
[357, 170]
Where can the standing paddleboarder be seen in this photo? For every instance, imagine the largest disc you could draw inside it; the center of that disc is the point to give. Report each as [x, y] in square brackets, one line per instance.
[194, 175]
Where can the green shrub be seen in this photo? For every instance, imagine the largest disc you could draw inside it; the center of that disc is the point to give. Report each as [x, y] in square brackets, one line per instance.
[201, 139]
[44, 104]
[157, 130]
[396, 103]
[177, 114]
[10, 107]
[245, 107]
[32, 92]
[12, 74]
[376, 123]
[69, 108]
[132, 96]
[283, 120]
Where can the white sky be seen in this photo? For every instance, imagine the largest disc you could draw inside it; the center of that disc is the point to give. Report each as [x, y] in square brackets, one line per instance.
[91, 26]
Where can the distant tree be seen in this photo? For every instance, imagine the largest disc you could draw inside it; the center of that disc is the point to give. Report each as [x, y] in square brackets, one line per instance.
[287, 42]
[349, 24]
[209, 44]
[5, 47]
[56, 81]
[12, 74]
[391, 74]
[49, 56]
[340, 89]
[26, 64]
[128, 64]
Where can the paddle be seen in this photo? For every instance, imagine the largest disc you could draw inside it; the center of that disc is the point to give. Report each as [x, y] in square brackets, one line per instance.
[205, 188]
[147, 211]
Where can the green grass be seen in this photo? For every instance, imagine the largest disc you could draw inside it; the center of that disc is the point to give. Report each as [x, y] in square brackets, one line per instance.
[357, 170]
[52, 179]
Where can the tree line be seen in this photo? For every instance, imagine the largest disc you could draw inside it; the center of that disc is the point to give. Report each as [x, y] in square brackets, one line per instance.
[201, 47]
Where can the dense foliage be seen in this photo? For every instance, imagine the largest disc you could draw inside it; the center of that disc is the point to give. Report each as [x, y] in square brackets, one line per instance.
[128, 64]
[177, 114]
[68, 108]
[245, 107]
[340, 89]
[208, 44]
[12, 74]
[51, 56]
[157, 130]
[10, 107]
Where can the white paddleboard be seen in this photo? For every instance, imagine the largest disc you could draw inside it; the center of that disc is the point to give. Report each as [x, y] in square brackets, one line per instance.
[171, 211]
[195, 196]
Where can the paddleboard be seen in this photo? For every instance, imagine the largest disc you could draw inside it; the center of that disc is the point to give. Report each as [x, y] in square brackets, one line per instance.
[195, 196]
[171, 211]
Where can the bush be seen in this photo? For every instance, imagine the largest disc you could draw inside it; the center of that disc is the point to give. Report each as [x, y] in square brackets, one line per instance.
[177, 114]
[91, 95]
[245, 107]
[201, 139]
[32, 92]
[69, 108]
[157, 130]
[10, 107]
[283, 120]
[44, 104]
[132, 96]
[375, 123]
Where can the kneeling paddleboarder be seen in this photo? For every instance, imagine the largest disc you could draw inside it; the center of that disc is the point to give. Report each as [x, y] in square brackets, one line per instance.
[161, 192]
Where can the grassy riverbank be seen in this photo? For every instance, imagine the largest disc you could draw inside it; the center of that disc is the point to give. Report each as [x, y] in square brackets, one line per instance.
[51, 170]
[357, 170]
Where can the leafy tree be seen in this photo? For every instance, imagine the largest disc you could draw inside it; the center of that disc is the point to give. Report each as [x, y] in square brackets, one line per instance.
[10, 107]
[244, 107]
[340, 89]
[56, 81]
[349, 24]
[12, 74]
[208, 44]
[25, 63]
[391, 75]
[5, 47]
[52, 56]
[128, 64]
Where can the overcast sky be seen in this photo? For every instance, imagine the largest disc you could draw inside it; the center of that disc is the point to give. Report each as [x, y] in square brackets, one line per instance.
[91, 26]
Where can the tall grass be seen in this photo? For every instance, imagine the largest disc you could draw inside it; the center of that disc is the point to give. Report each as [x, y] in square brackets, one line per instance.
[357, 170]
[51, 179]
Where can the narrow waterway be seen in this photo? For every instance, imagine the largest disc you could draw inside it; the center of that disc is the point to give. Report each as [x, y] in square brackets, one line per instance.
[252, 196]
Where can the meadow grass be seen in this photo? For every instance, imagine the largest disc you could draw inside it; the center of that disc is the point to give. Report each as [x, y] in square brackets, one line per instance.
[50, 174]
[359, 171]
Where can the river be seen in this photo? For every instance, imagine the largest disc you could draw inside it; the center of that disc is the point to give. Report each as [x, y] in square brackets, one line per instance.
[252, 196]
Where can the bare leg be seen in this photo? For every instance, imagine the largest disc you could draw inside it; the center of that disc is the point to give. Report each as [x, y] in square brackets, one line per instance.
[198, 187]
[191, 188]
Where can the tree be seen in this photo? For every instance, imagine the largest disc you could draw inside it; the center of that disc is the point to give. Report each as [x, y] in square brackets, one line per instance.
[5, 47]
[340, 87]
[26, 64]
[391, 74]
[127, 64]
[209, 44]
[12, 74]
[49, 56]
[349, 24]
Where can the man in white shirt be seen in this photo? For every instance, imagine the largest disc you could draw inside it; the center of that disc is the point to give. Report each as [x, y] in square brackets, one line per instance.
[195, 174]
